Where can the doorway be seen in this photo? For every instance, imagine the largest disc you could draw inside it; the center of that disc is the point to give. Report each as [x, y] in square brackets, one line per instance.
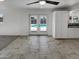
[38, 25]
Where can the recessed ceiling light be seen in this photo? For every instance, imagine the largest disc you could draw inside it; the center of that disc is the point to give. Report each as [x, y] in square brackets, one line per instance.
[1, 0]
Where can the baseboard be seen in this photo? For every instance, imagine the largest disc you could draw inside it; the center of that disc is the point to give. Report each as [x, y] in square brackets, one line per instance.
[66, 38]
[13, 35]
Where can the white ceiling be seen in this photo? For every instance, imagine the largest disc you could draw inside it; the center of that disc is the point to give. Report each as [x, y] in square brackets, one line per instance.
[22, 3]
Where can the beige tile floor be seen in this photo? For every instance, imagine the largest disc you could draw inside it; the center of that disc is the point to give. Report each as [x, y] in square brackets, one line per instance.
[41, 47]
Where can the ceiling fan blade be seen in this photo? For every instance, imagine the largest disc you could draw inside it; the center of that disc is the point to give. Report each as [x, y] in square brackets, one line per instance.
[52, 2]
[32, 3]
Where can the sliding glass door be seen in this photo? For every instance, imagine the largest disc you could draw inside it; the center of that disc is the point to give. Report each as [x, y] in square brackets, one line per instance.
[38, 24]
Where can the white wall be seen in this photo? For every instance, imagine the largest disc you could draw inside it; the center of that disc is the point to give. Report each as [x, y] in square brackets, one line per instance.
[74, 32]
[60, 21]
[16, 21]
[61, 29]
[53, 24]
[43, 11]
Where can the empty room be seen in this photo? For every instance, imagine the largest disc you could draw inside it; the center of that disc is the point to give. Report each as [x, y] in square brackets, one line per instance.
[39, 29]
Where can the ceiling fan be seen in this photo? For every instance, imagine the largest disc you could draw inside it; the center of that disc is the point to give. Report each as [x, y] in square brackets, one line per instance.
[42, 2]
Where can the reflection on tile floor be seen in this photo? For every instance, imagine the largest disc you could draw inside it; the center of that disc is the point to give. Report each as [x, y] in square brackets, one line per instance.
[41, 47]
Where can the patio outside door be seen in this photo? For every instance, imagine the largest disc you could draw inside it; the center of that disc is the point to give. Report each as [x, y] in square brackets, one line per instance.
[38, 25]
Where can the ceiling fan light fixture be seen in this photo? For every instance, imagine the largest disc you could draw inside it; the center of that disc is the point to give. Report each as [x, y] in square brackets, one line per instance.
[42, 2]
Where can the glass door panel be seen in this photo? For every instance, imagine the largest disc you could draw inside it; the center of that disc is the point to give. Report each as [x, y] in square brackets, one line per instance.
[34, 25]
[43, 23]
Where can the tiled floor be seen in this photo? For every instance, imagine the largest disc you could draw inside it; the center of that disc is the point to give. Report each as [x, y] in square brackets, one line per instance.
[41, 47]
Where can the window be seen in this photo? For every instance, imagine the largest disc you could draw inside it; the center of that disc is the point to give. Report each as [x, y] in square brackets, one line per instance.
[38, 23]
